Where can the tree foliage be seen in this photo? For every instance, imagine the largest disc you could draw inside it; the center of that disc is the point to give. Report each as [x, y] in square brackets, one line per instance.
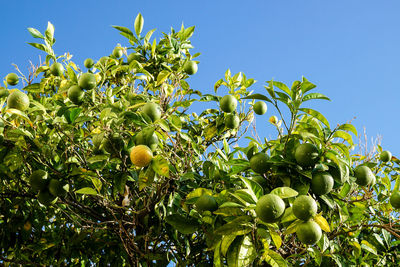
[196, 202]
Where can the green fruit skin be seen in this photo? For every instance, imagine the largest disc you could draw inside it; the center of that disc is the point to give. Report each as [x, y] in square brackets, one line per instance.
[76, 94]
[57, 188]
[304, 207]
[150, 141]
[152, 110]
[190, 67]
[12, 79]
[4, 92]
[337, 176]
[113, 144]
[228, 103]
[135, 56]
[270, 208]
[385, 156]
[395, 199]
[22, 103]
[232, 121]
[259, 163]
[46, 198]
[309, 232]
[364, 175]
[87, 81]
[117, 52]
[38, 180]
[89, 63]
[57, 69]
[206, 202]
[260, 108]
[306, 155]
[321, 183]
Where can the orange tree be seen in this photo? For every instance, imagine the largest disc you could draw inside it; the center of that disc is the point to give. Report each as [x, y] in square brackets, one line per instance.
[109, 164]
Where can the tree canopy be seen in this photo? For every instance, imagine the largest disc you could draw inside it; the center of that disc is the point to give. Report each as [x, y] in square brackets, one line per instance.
[108, 164]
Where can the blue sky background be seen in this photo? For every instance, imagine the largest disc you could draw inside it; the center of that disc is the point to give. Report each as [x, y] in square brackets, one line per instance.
[349, 49]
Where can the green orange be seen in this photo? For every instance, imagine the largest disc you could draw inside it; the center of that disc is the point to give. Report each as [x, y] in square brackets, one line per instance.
[395, 199]
[270, 208]
[206, 202]
[57, 69]
[38, 180]
[385, 156]
[18, 100]
[89, 63]
[87, 81]
[117, 52]
[304, 207]
[364, 175]
[232, 121]
[306, 155]
[12, 79]
[309, 232]
[190, 67]
[228, 103]
[259, 163]
[152, 110]
[321, 183]
[260, 108]
[76, 94]
[46, 198]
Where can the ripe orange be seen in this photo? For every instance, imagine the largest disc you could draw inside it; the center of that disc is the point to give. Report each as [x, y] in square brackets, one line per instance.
[141, 156]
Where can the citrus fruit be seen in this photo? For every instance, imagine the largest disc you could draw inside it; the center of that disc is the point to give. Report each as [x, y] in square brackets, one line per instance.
[46, 198]
[270, 208]
[259, 162]
[38, 180]
[385, 156]
[309, 232]
[103, 60]
[141, 156]
[306, 155]
[228, 103]
[395, 199]
[12, 79]
[206, 202]
[75, 94]
[147, 139]
[57, 188]
[117, 52]
[337, 175]
[87, 81]
[260, 180]
[273, 119]
[304, 207]
[152, 110]
[364, 175]
[89, 63]
[232, 121]
[135, 56]
[321, 183]
[190, 67]
[4, 92]
[57, 69]
[260, 108]
[18, 100]
[113, 144]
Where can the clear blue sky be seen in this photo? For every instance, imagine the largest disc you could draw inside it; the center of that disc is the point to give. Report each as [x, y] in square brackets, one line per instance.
[350, 49]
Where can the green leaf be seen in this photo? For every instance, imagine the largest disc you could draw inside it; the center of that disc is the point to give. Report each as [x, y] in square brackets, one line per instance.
[282, 86]
[344, 135]
[39, 46]
[195, 194]
[182, 224]
[239, 226]
[348, 127]
[316, 115]
[322, 223]
[146, 178]
[86, 191]
[35, 33]
[314, 96]
[226, 242]
[275, 237]
[288, 216]
[33, 88]
[148, 35]
[217, 255]
[284, 192]
[49, 33]
[255, 190]
[368, 247]
[160, 166]
[274, 259]
[139, 21]
[241, 253]
[306, 86]
[258, 97]
[74, 114]
[162, 76]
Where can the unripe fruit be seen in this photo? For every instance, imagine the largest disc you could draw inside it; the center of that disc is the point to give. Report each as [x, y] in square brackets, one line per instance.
[57, 69]
[259, 163]
[260, 108]
[117, 52]
[76, 94]
[364, 175]
[385, 156]
[232, 121]
[306, 155]
[321, 183]
[87, 81]
[18, 100]
[38, 180]
[12, 79]
[228, 103]
[152, 110]
[395, 199]
[190, 67]
[206, 202]
[304, 207]
[270, 208]
[309, 232]
[89, 63]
